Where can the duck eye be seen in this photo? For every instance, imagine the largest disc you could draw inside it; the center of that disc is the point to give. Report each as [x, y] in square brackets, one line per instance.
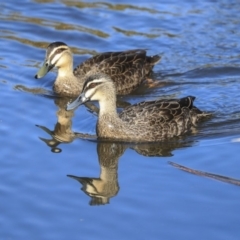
[92, 85]
[88, 86]
[58, 51]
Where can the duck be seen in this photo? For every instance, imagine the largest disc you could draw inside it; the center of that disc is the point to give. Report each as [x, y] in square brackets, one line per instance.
[148, 121]
[128, 69]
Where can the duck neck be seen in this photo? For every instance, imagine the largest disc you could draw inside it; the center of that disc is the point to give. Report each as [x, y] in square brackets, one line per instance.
[108, 107]
[66, 69]
[67, 84]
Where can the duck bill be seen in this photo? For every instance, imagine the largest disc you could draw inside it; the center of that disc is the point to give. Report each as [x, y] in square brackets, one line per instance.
[46, 67]
[79, 101]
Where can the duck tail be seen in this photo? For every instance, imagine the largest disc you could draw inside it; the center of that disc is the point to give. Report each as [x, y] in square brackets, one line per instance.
[150, 62]
[197, 115]
[155, 59]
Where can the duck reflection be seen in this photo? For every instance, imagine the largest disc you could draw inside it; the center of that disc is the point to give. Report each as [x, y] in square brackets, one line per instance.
[106, 186]
[101, 189]
[62, 132]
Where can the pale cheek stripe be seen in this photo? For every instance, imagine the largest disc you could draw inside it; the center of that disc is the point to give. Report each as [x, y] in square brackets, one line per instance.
[55, 58]
[89, 93]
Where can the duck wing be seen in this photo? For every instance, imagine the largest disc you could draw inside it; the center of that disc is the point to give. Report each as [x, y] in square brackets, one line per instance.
[159, 111]
[127, 69]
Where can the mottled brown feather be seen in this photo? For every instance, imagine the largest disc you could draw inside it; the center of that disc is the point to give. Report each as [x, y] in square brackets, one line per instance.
[127, 69]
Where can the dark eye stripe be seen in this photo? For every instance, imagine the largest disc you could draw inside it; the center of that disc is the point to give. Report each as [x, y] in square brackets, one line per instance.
[92, 85]
[60, 50]
[57, 52]
[89, 79]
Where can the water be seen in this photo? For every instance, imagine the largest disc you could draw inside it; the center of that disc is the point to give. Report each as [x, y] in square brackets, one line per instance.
[140, 195]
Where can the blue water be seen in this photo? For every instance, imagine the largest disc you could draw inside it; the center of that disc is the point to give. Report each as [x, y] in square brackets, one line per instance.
[145, 196]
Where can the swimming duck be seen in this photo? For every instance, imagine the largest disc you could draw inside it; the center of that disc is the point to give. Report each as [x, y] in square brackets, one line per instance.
[142, 122]
[128, 69]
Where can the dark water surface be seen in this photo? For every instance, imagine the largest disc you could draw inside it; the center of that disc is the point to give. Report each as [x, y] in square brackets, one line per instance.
[96, 190]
